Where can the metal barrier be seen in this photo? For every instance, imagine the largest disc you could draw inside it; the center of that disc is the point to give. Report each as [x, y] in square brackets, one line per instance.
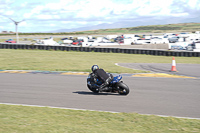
[105, 50]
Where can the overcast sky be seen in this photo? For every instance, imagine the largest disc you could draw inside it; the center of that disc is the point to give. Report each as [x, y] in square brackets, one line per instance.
[51, 15]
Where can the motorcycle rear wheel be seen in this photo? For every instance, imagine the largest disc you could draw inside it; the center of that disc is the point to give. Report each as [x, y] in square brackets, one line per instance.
[123, 89]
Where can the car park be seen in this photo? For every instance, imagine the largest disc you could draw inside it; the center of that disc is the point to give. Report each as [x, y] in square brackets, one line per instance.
[176, 42]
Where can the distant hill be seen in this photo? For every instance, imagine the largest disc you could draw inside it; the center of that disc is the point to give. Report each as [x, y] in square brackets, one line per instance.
[182, 27]
[94, 27]
[100, 29]
[96, 30]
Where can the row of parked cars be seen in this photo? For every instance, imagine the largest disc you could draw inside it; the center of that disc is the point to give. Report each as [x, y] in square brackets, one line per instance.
[177, 41]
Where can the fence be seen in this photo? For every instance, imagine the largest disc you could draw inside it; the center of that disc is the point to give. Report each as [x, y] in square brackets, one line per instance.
[105, 50]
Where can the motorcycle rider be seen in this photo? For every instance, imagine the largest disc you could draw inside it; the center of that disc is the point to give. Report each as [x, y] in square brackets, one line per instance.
[100, 74]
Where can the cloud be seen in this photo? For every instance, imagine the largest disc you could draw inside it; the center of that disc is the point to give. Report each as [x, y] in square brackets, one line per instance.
[78, 13]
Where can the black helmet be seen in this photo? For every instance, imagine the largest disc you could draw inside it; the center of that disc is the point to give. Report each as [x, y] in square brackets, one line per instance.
[94, 67]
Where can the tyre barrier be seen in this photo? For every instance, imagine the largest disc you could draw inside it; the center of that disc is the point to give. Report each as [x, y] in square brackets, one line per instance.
[104, 50]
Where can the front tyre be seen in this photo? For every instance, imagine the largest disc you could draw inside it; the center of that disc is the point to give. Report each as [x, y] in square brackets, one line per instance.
[92, 89]
[122, 88]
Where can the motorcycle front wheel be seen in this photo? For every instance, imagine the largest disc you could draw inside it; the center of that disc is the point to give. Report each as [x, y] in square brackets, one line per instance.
[123, 89]
[92, 89]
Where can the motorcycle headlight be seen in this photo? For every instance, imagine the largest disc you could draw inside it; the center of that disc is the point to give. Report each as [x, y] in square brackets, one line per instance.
[119, 77]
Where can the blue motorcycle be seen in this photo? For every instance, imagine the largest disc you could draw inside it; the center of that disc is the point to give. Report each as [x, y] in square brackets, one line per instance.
[115, 86]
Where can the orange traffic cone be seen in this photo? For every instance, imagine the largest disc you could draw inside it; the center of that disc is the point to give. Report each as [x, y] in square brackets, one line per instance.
[173, 69]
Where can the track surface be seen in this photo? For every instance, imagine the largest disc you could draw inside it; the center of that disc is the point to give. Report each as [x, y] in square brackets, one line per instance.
[160, 96]
[192, 70]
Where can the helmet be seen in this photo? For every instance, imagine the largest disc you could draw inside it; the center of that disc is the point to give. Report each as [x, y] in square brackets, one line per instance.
[94, 67]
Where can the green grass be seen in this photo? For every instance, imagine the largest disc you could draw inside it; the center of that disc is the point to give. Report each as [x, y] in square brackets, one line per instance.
[23, 119]
[78, 61]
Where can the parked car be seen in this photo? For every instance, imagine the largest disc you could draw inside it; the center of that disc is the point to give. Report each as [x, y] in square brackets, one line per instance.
[177, 47]
[173, 39]
[118, 39]
[67, 41]
[159, 40]
[10, 41]
[184, 34]
[64, 38]
[143, 41]
[77, 42]
[190, 47]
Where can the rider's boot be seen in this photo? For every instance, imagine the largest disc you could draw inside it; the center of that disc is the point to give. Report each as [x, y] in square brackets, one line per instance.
[104, 87]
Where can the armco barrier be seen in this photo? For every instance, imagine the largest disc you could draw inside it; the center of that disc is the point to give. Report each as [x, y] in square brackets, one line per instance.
[105, 50]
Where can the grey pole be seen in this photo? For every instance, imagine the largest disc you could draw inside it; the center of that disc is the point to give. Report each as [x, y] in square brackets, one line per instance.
[16, 24]
[17, 37]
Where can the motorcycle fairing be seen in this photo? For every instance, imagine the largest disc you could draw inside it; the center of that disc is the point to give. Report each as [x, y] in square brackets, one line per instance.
[116, 79]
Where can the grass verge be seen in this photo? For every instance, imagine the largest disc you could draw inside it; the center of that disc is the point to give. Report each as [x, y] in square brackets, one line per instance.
[18, 119]
[78, 61]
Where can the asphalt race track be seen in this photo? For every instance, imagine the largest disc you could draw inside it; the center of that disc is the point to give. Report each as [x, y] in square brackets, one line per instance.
[192, 70]
[160, 96]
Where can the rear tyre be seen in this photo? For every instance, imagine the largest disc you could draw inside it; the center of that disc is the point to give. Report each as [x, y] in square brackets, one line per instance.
[123, 89]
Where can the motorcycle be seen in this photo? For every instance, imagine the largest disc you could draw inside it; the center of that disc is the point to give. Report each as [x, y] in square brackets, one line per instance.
[115, 86]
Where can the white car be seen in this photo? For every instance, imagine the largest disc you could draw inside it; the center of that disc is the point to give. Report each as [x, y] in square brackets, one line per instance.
[67, 41]
[159, 40]
[143, 41]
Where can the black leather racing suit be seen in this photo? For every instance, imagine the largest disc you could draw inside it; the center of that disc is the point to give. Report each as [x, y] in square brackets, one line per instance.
[103, 76]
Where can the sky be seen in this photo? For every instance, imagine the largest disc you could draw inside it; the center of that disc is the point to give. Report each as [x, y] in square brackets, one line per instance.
[55, 15]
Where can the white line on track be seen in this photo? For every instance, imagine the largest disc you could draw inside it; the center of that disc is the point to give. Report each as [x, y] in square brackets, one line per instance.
[127, 67]
[92, 110]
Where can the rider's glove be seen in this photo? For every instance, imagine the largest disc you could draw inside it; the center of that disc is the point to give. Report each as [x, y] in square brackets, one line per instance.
[95, 80]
